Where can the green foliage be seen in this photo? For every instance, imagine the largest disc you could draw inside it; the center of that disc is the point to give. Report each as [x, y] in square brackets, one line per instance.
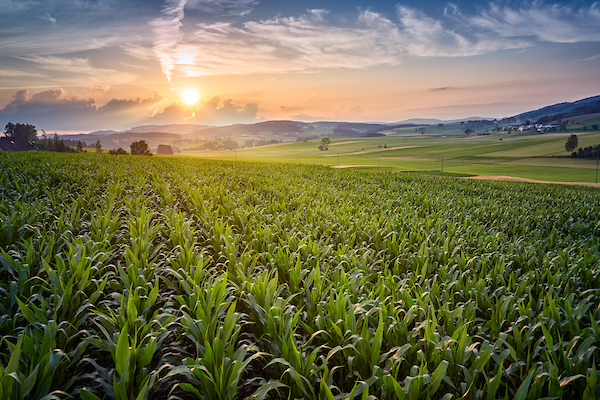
[21, 131]
[571, 143]
[139, 278]
[325, 144]
[118, 151]
[140, 148]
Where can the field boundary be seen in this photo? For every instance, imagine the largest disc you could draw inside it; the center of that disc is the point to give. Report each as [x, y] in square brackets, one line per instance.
[515, 179]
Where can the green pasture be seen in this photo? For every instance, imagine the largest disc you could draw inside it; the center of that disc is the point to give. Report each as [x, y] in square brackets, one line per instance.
[524, 155]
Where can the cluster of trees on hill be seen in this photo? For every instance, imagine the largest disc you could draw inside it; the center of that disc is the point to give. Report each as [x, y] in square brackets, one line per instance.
[586, 106]
[58, 145]
[29, 133]
[21, 131]
[586, 152]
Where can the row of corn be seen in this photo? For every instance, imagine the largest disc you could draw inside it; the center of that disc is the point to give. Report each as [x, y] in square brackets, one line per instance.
[141, 278]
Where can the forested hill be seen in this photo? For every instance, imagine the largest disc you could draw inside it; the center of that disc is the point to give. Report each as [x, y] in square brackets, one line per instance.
[580, 107]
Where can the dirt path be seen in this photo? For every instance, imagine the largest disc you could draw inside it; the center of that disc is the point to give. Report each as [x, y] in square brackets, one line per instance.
[354, 166]
[513, 179]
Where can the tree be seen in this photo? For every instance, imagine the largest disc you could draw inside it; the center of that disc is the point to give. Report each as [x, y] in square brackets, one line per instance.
[98, 146]
[79, 146]
[118, 151]
[571, 143]
[468, 130]
[595, 127]
[21, 131]
[140, 148]
[325, 144]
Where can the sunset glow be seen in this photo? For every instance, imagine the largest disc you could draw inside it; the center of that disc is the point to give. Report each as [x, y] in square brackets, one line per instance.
[189, 96]
[85, 64]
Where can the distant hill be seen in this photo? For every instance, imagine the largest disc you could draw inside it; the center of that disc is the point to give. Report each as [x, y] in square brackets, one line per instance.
[585, 106]
[272, 127]
[98, 133]
[173, 128]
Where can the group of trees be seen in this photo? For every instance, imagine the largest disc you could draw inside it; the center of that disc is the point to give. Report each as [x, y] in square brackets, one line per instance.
[57, 145]
[21, 131]
[29, 133]
[587, 152]
[139, 148]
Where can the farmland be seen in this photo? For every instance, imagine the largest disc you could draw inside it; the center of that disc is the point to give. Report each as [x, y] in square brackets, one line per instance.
[127, 277]
[523, 155]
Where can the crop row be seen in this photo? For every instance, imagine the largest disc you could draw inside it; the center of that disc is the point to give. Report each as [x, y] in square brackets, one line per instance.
[131, 278]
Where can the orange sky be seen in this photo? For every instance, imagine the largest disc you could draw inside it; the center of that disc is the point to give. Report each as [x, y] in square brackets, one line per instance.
[112, 66]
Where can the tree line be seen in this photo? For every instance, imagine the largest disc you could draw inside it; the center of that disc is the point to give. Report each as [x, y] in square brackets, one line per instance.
[29, 133]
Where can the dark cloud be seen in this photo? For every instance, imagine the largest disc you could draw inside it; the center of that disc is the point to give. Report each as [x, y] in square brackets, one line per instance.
[441, 89]
[49, 108]
[55, 110]
[121, 106]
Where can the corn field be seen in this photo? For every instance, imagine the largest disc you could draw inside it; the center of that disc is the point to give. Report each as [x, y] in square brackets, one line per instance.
[153, 278]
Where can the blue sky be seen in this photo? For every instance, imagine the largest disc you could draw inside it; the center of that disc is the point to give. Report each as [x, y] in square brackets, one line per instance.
[85, 65]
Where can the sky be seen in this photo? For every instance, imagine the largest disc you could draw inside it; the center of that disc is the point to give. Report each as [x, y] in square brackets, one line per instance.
[84, 65]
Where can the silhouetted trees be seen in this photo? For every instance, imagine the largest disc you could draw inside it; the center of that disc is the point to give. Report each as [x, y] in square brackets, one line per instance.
[56, 144]
[588, 152]
[118, 151]
[98, 146]
[21, 131]
[140, 148]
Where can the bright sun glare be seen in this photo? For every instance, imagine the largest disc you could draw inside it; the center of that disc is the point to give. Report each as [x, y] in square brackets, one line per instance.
[189, 96]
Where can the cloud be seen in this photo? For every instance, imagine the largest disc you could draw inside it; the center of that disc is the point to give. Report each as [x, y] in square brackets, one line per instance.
[442, 89]
[212, 111]
[167, 34]
[56, 110]
[14, 6]
[78, 70]
[49, 18]
[127, 108]
[550, 23]
[224, 7]
[317, 40]
[51, 107]
[19, 74]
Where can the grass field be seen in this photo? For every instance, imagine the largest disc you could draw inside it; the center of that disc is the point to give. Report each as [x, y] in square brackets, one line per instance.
[132, 277]
[534, 156]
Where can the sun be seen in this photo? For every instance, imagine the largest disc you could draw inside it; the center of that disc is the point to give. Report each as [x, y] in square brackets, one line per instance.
[190, 96]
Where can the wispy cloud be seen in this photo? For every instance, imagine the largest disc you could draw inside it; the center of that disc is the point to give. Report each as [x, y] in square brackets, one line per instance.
[167, 34]
[20, 74]
[546, 22]
[79, 70]
[49, 18]
[314, 40]
[224, 7]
